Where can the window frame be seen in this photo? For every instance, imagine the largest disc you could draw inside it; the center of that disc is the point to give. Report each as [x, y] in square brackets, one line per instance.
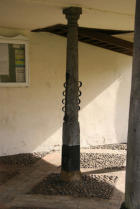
[20, 39]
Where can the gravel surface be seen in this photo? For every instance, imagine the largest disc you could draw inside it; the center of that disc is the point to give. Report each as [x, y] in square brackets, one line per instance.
[90, 186]
[26, 159]
[122, 146]
[101, 160]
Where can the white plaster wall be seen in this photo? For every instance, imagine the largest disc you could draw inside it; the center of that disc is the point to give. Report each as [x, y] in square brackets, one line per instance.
[109, 14]
[31, 117]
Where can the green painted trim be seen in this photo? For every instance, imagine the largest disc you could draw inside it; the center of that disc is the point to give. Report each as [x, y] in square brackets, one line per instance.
[12, 67]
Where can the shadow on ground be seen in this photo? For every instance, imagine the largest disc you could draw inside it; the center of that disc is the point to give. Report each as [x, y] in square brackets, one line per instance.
[21, 178]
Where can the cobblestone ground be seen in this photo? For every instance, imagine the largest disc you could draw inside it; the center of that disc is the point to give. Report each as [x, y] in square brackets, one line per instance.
[17, 181]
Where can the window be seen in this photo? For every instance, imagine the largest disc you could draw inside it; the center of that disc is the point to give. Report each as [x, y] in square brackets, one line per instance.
[14, 61]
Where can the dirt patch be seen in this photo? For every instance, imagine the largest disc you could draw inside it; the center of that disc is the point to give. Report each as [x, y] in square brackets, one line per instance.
[29, 208]
[7, 175]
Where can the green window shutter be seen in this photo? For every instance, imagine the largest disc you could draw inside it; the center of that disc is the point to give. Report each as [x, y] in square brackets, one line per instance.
[12, 67]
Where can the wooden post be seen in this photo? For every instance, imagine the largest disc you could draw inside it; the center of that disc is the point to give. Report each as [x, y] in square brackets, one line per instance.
[71, 132]
[132, 193]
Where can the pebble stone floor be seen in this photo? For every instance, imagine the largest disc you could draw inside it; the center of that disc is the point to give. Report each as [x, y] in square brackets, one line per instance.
[104, 165]
[90, 186]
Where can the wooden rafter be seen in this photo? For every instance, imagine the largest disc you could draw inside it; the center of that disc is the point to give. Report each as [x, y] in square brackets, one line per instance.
[98, 37]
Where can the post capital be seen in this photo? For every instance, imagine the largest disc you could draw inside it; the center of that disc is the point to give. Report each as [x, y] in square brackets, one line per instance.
[72, 13]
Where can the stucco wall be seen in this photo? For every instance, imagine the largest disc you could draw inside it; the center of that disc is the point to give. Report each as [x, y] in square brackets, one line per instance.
[31, 117]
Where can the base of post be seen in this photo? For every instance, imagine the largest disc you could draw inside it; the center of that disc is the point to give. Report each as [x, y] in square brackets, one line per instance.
[70, 176]
[123, 206]
[71, 158]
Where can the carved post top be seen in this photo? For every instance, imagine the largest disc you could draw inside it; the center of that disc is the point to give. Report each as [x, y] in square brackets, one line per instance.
[72, 14]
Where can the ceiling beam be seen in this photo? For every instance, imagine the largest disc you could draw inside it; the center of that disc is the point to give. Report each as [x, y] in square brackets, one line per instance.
[102, 37]
[99, 37]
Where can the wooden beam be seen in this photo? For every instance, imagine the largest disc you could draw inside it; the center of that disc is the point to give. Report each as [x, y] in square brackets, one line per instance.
[107, 39]
[98, 37]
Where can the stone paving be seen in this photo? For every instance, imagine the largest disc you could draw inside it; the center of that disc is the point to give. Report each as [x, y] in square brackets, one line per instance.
[14, 193]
